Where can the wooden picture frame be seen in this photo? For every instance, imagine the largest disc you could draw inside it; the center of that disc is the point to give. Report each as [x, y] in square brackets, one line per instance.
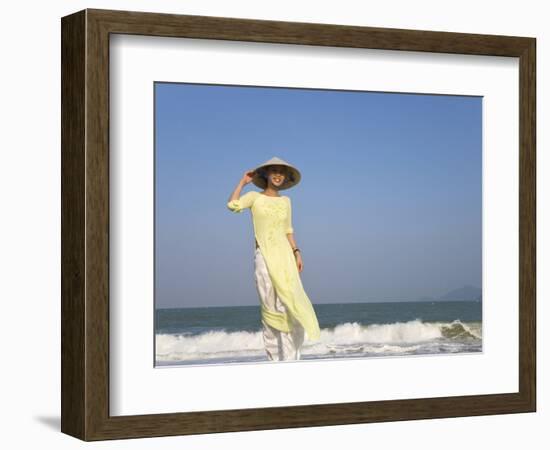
[85, 224]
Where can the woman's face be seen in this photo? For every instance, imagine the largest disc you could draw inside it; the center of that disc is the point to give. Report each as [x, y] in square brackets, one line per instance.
[276, 176]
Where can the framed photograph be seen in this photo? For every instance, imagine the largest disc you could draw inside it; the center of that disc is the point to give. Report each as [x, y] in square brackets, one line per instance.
[275, 224]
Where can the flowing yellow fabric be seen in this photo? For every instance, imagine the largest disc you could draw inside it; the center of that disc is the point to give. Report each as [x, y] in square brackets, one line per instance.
[272, 220]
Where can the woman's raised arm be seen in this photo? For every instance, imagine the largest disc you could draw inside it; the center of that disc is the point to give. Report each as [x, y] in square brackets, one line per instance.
[237, 203]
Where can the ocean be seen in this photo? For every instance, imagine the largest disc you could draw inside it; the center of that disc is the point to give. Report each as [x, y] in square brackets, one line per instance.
[214, 335]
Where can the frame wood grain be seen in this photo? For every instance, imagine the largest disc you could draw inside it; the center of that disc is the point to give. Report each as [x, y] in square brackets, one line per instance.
[85, 224]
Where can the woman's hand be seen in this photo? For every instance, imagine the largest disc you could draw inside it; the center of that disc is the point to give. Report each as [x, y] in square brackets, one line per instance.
[248, 177]
[299, 262]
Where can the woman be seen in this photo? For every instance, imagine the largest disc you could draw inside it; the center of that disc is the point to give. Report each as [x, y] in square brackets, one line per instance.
[287, 313]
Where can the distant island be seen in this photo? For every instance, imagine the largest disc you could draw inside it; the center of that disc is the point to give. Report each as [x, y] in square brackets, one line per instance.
[464, 293]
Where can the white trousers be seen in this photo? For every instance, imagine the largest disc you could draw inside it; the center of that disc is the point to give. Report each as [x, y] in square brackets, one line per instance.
[279, 346]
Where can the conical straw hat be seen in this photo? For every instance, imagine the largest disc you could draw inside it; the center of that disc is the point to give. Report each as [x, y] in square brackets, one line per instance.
[293, 178]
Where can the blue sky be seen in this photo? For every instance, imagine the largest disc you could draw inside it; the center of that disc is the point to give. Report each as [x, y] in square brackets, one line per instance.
[389, 206]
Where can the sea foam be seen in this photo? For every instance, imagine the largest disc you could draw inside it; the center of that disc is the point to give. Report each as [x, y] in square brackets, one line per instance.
[345, 339]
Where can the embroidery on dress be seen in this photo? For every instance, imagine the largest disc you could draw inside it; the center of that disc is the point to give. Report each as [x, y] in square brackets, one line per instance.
[277, 213]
